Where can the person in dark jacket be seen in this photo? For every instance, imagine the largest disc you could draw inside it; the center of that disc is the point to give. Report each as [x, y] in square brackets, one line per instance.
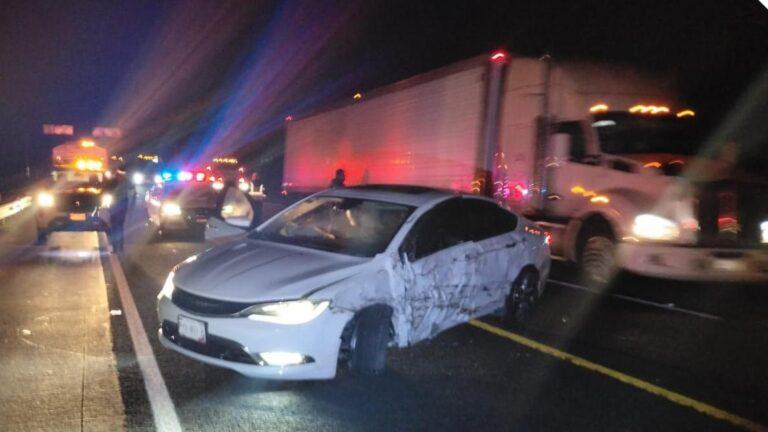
[338, 180]
[119, 209]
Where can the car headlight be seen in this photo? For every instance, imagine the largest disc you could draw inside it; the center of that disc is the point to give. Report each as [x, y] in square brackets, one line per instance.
[138, 178]
[44, 199]
[217, 185]
[243, 186]
[167, 287]
[107, 200]
[170, 209]
[287, 312]
[652, 227]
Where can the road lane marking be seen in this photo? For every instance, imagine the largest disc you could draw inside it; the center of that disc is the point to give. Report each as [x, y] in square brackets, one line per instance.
[163, 409]
[672, 396]
[665, 306]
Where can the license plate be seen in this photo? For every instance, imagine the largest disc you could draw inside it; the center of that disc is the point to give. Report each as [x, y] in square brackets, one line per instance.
[192, 329]
[728, 265]
[77, 216]
[201, 219]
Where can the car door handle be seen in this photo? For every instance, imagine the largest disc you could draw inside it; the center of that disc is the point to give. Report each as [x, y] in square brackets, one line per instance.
[510, 245]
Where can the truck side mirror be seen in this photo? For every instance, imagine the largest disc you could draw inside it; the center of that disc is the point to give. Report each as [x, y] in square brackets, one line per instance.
[560, 146]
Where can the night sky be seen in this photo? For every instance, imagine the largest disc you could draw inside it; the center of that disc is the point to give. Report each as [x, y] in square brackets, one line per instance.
[188, 73]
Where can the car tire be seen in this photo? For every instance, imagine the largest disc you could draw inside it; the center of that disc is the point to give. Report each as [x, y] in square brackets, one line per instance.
[522, 297]
[42, 237]
[197, 233]
[368, 340]
[158, 236]
[598, 261]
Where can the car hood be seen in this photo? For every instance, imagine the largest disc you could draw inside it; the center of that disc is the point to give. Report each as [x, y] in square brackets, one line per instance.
[258, 271]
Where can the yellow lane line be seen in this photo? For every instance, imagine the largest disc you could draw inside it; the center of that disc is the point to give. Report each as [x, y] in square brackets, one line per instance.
[626, 379]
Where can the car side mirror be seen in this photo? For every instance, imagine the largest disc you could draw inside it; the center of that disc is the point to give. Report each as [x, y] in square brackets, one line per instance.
[560, 146]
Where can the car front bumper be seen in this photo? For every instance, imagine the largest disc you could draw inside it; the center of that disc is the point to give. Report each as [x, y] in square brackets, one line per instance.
[52, 220]
[234, 343]
[189, 219]
[695, 263]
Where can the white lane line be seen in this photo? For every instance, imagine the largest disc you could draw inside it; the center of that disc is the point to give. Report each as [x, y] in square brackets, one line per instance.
[163, 409]
[665, 306]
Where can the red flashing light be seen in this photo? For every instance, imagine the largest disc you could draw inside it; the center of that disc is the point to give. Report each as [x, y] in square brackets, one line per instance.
[548, 238]
[499, 56]
[200, 176]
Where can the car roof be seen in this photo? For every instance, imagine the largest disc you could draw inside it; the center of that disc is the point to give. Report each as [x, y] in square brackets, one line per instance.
[415, 196]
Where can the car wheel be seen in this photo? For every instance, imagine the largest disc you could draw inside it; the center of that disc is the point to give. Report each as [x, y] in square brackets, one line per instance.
[366, 344]
[598, 261]
[42, 237]
[522, 297]
[197, 233]
[158, 235]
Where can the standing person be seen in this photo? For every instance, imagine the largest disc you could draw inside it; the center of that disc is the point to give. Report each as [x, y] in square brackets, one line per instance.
[118, 210]
[338, 180]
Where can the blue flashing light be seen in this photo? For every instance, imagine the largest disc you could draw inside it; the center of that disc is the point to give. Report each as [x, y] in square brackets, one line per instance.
[166, 175]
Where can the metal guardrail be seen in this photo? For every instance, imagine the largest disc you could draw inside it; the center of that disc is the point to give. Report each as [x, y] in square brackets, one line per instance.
[11, 208]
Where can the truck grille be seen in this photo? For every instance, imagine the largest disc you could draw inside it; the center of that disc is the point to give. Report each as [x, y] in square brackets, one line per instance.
[77, 202]
[204, 305]
[730, 214]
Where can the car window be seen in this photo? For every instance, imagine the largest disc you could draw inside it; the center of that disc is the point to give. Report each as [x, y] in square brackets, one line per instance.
[488, 219]
[349, 226]
[578, 144]
[444, 226]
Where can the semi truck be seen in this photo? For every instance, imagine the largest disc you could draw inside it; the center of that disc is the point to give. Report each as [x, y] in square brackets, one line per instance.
[599, 155]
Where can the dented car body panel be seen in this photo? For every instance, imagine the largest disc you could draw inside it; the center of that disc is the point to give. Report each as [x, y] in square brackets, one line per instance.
[433, 275]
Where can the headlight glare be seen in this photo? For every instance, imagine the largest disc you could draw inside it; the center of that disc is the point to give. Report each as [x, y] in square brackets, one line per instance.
[138, 178]
[170, 209]
[288, 312]
[107, 200]
[45, 199]
[652, 227]
[167, 287]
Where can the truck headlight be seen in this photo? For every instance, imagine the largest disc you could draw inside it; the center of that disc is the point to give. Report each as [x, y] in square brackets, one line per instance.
[107, 200]
[167, 287]
[287, 312]
[44, 199]
[170, 209]
[652, 227]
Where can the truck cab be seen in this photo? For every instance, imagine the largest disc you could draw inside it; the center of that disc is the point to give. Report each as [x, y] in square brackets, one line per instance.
[631, 190]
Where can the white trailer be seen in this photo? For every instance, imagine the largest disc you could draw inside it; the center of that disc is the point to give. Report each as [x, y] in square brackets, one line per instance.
[591, 151]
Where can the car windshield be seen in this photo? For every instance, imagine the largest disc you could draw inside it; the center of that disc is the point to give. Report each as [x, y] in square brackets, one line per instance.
[348, 226]
[624, 133]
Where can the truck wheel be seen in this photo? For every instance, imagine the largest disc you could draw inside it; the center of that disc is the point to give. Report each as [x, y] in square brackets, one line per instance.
[522, 297]
[598, 261]
[367, 341]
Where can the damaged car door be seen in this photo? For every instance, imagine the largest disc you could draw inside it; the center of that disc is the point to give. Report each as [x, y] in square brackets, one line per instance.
[441, 275]
[501, 250]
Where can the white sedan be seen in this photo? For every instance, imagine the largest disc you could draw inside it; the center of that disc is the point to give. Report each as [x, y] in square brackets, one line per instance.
[342, 275]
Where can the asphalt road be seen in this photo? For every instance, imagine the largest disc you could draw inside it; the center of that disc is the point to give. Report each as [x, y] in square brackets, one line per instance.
[645, 352]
